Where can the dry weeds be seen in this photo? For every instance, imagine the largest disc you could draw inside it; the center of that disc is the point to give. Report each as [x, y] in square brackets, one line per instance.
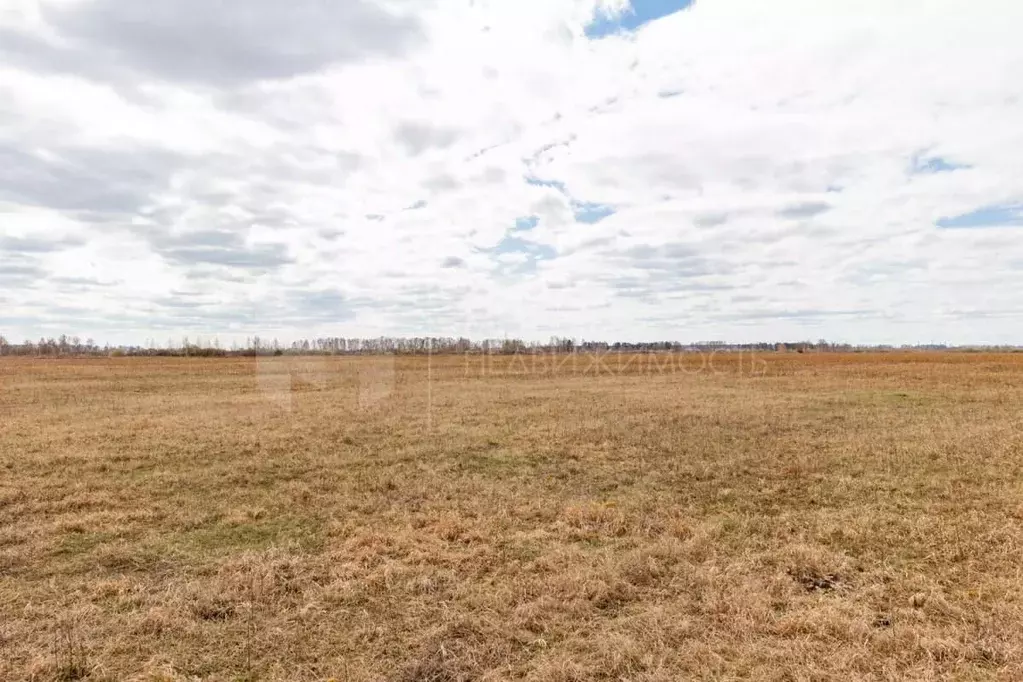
[826, 517]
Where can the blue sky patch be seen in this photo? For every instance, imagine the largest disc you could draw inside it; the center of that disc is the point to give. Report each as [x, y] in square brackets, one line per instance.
[641, 12]
[533, 180]
[516, 245]
[526, 223]
[586, 212]
[923, 165]
[988, 216]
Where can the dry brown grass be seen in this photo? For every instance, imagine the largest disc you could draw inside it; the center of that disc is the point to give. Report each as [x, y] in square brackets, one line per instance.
[827, 517]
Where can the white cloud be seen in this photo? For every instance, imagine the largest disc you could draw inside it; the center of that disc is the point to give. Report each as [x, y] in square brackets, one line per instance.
[761, 160]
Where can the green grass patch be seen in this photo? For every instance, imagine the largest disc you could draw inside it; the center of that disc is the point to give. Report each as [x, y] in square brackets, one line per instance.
[304, 532]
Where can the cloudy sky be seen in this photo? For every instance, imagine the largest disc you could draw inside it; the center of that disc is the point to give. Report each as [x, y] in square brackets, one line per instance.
[723, 169]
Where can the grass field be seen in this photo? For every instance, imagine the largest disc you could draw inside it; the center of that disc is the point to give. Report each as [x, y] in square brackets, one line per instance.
[793, 517]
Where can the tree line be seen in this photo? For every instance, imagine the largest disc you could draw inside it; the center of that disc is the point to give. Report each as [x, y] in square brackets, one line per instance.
[65, 345]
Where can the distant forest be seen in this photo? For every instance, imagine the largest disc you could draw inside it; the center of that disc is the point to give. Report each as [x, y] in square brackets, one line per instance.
[256, 346]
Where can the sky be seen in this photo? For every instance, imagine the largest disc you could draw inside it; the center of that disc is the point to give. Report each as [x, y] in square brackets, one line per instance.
[732, 170]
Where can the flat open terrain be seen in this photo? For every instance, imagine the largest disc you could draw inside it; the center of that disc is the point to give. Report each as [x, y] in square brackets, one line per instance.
[789, 517]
